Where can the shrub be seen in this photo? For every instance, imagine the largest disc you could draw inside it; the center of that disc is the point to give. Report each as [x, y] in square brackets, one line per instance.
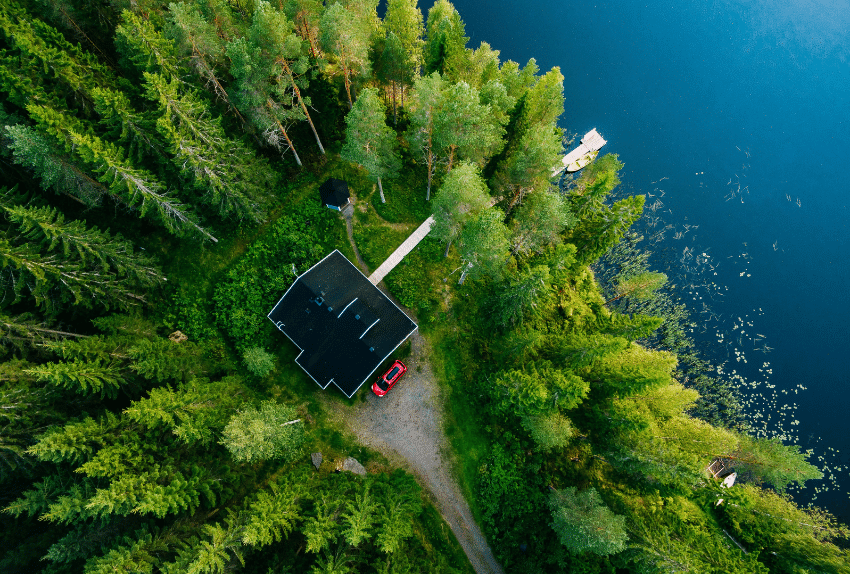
[258, 361]
[252, 286]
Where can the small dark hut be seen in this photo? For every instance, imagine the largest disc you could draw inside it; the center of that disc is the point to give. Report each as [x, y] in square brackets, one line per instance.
[335, 194]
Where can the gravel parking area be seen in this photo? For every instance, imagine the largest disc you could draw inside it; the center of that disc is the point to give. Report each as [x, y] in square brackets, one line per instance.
[406, 426]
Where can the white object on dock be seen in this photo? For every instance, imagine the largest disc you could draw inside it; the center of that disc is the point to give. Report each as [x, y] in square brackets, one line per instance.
[590, 143]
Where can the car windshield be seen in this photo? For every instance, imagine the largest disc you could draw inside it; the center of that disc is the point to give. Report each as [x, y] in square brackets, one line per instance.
[382, 384]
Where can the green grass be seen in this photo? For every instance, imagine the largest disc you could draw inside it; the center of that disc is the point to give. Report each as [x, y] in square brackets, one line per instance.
[375, 240]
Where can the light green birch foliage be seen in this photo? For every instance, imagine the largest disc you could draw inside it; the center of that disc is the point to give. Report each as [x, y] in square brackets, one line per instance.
[461, 197]
[268, 433]
[369, 141]
[584, 524]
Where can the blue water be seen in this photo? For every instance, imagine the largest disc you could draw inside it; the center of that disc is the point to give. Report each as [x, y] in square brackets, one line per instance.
[743, 107]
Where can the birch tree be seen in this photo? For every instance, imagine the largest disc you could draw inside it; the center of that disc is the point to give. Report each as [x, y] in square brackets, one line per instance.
[584, 524]
[461, 197]
[404, 19]
[421, 135]
[483, 244]
[369, 142]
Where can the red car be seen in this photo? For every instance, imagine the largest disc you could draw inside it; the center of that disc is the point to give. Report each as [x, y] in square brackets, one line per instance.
[385, 383]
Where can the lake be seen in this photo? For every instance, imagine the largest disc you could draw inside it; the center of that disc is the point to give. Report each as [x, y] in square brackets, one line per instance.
[733, 115]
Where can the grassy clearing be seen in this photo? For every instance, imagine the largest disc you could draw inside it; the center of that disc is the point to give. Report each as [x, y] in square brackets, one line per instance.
[376, 240]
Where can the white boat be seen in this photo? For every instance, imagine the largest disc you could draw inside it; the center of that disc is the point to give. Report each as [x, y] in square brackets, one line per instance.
[582, 161]
[590, 144]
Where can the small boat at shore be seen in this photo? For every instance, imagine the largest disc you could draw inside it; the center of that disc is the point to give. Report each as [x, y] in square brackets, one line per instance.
[585, 153]
[582, 161]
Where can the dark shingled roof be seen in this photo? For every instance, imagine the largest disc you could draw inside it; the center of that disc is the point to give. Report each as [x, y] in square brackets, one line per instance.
[345, 326]
[334, 192]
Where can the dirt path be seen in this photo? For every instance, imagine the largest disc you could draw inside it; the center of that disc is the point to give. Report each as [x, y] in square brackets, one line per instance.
[406, 426]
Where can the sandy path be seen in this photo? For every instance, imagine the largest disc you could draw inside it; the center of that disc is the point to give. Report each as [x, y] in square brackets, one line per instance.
[406, 425]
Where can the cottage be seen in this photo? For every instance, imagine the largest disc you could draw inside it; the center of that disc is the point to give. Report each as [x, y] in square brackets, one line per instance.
[344, 325]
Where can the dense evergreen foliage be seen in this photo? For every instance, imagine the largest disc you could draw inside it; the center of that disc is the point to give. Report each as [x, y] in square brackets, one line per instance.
[152, 419]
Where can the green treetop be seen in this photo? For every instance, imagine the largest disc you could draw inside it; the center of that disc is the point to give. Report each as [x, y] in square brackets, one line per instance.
[369, 142]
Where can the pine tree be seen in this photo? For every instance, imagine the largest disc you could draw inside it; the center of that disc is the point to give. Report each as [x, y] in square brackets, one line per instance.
[199, 39]
[464, 127]
[346, 37]
[253, 94]
[306, 15]
[281, 52]
[369, 142]
[395, 68]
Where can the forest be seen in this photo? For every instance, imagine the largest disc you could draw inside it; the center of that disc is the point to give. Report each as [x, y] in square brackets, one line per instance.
[161, 165]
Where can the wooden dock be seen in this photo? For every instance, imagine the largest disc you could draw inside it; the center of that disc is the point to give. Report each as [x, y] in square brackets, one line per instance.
[401, 251]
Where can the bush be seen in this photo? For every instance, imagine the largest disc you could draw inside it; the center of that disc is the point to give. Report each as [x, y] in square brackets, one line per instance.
[258, 361]
[253, 285]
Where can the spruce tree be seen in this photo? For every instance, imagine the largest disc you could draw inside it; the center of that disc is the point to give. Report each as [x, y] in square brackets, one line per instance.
[132, 187]
[226, 172]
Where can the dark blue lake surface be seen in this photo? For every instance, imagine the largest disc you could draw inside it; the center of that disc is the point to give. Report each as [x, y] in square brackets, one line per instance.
[733, 115]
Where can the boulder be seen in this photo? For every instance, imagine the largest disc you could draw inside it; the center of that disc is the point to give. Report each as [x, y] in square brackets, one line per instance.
[351, 465]
[317, 459]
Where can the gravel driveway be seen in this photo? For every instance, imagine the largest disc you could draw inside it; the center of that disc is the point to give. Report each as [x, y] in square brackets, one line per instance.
[406, 425]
